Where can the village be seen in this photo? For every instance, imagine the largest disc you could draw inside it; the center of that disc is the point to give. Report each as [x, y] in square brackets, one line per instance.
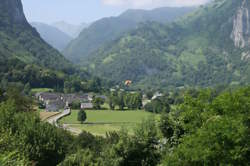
[54, 102]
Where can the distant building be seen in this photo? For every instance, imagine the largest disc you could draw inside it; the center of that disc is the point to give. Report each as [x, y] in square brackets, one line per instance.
[87, 106]
[58, 101]
[156, 95]
[55, 106]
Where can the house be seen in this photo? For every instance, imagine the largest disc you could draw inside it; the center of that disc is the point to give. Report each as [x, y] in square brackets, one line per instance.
[57, 101]
[55, 105]
[48, 96]
[87, 105]
[156, 95]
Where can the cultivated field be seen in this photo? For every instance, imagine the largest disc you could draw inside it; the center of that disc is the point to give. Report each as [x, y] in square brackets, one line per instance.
[46, 115]
[100, 122]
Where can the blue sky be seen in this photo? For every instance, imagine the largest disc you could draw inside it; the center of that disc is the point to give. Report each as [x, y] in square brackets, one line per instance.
[78, 11]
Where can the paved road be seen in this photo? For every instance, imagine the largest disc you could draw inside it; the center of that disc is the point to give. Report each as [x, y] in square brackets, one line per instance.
[53, 120]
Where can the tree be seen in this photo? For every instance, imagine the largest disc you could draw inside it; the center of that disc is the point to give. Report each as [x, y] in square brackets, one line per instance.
[133, 100]
[120, 100]
[23, 103]
[82, 116]
[1, 95]
[98, 102]
[158, 105]
[75, 105]
[149, 94]
[27, 89]
[166, 126]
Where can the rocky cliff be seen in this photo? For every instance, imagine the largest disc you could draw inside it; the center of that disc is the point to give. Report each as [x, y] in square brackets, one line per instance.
[12, 10]
[241, 27]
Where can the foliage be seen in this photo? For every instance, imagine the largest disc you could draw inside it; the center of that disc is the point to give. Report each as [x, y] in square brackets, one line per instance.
[81, 116]
[207, 128]
[159, 105]
[75, 105]
[122, 99]
[215, 129]
[25, 138]
[98, 102]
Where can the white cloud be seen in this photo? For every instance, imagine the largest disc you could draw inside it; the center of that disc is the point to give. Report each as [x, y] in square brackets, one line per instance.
[152, 3]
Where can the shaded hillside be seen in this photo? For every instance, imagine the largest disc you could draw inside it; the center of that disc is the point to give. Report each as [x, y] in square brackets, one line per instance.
[24, 56]
[52, 35]
[109, 29]
[208, 47]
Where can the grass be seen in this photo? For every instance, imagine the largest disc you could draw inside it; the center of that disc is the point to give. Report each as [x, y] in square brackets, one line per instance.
[102, 129]
[37, 90]
[100, 122]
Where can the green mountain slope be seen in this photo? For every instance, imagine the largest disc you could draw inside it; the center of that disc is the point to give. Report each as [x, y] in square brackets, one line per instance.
[24, 56]
[52, 35]
[208, 47]
[161, 15]
[19, 40]
[109, 29]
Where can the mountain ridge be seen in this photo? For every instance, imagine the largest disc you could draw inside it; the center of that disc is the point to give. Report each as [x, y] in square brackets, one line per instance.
[196, 50]
[108, 29]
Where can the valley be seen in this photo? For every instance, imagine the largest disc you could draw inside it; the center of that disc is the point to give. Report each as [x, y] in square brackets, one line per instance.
[102, 83]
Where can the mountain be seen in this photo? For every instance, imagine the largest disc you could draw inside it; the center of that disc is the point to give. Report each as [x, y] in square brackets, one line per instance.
[72, 30]
[210, 46]
[52, 35]
[24, 56]
[109, 29]
[161, 15]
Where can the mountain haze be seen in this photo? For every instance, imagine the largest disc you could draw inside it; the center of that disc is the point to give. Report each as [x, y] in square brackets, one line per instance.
[72, 30]
[209, 46]
[109, 29]
[52, 35]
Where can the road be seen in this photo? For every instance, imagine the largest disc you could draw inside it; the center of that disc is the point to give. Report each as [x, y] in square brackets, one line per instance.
[53, 120]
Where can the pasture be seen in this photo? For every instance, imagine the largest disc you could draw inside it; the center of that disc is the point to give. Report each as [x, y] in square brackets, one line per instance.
[100, 122]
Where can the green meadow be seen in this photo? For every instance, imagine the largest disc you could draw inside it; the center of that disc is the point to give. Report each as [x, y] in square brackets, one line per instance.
[100, 122]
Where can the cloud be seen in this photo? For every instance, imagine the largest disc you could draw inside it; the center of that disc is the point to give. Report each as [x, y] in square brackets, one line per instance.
[152, 3]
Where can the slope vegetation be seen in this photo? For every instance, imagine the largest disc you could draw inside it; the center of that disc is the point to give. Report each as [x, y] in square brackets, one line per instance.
[207, 47]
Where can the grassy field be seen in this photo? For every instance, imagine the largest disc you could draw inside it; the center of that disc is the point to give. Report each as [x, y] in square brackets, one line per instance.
[37, 90]
[100, 122]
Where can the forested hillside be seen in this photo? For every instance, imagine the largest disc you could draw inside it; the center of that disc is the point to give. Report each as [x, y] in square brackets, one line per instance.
[26, 59]
[109, 29]
[207, 47]
[161, 15]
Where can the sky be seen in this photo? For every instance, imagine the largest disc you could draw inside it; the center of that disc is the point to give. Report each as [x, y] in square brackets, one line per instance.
[79, 11]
